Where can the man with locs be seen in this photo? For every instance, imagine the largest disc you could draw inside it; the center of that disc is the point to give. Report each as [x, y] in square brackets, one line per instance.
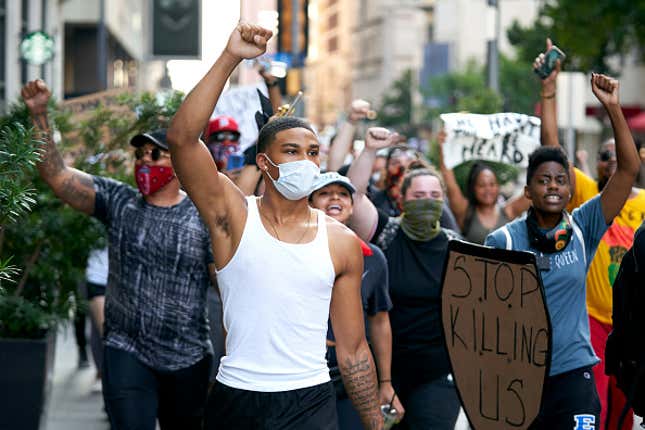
[157, 353]
[282, 268]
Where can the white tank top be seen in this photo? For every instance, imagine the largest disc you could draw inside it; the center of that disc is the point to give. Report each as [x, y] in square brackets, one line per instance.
[276, 299]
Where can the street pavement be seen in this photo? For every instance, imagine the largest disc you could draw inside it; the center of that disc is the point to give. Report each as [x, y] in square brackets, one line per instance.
[73, 405]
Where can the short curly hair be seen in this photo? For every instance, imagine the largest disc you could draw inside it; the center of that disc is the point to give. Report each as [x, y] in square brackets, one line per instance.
[275, 126]
[543, 155]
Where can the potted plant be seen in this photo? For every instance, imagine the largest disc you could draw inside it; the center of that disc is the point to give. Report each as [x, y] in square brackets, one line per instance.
[44, 244]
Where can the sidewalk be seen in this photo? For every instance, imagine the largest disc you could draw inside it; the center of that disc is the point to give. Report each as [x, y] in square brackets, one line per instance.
[72, 406]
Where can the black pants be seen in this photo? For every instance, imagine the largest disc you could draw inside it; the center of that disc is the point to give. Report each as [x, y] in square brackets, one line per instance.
[569, 401]
[136, 395]
[430, 405]
[312, 408]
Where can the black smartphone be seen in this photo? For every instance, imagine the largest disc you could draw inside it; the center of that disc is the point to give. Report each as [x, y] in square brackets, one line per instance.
[550, 58]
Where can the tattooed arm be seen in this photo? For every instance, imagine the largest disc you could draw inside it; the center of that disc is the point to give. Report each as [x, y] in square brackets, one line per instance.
[72, 186]
[346, 313]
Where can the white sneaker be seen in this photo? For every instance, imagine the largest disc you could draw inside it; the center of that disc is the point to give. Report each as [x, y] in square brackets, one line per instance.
[96, 387]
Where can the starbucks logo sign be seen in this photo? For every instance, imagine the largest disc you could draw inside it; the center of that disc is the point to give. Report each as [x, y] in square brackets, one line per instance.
[37, 48]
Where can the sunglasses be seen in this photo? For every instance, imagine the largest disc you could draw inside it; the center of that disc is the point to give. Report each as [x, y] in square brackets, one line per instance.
[606, 155]
[225, 135]
[155, 153]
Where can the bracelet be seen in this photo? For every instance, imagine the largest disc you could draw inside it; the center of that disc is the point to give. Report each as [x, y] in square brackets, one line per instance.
[382, 381]
[272, 84]
[550, 96]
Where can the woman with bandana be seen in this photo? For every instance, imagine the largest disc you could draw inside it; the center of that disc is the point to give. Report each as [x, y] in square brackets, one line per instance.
[565, 246]
[415, 246]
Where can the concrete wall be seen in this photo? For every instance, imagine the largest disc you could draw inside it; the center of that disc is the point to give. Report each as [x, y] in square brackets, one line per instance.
[468, 24]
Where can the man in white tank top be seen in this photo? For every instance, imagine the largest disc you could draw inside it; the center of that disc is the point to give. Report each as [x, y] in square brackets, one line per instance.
[282, 268]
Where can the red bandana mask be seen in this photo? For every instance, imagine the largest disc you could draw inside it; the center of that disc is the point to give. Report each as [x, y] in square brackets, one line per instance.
[151, 179]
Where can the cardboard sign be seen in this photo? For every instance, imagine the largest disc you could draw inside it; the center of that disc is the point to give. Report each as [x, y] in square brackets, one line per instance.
[503, 137]
[80, 106]
[241, 103]
[497, 333]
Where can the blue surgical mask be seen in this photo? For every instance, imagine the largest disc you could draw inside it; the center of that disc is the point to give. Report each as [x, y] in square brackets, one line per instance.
[297, 178]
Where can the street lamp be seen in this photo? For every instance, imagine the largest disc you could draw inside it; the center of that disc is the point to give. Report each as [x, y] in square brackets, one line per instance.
[492, 68]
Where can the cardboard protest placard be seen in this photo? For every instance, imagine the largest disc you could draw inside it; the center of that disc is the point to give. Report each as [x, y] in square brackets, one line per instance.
[241, 103]
[80, 106]
[497, 332]
[503, 137]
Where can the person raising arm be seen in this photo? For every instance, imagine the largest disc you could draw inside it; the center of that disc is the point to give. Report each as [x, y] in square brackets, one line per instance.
[274, 253]
[478, 213]
[73, 186]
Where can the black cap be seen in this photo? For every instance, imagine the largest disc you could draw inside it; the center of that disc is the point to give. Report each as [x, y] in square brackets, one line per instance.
[157, 137]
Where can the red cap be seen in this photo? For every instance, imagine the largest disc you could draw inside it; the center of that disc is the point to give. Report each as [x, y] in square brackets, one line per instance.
[222, 123]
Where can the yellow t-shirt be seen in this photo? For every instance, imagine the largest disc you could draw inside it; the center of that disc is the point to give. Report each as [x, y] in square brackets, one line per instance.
[613, 245]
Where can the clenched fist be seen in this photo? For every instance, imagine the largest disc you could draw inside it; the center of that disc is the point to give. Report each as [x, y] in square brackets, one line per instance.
[379, 138]
[605, 89]
[248, 41]
[36, 95]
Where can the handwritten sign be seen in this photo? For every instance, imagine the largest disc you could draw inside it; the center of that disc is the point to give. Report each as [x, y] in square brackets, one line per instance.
[84, 104]
[504, 137]
[497, 332]
[241, 103]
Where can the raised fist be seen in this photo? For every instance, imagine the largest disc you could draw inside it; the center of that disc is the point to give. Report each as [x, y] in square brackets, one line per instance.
[36, 95]
[358, 110]
[605, 89]
[248, 41]
[379, 138]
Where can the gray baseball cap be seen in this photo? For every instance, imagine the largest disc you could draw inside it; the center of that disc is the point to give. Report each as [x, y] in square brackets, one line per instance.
[329, 178]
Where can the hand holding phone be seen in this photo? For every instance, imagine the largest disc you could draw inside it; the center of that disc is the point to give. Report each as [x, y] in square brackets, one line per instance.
[544, 68]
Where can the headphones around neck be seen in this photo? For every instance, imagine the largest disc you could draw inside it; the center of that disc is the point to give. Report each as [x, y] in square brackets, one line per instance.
[550, 241]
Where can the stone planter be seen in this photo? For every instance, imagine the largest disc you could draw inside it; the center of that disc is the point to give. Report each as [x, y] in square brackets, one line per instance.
[26, 370]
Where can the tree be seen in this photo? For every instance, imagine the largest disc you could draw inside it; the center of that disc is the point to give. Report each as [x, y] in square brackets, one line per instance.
[48, 249]
[397, 104]
[520, 88]
[464, 91]
[590, 33]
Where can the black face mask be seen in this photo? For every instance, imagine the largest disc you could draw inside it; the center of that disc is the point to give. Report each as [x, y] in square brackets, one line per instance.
[550, 241]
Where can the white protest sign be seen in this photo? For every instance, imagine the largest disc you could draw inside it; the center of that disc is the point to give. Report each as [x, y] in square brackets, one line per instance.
[503, 137]
[241, 103]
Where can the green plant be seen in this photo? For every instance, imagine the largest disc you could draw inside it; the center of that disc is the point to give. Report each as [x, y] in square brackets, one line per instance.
[591, 33]
[43, 256]
[463, 91]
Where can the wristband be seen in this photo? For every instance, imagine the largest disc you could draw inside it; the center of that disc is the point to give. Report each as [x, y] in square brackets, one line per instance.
[382, 381]
[549, 96]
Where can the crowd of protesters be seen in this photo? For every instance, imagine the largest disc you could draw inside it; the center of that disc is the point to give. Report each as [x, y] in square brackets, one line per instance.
[250, 290]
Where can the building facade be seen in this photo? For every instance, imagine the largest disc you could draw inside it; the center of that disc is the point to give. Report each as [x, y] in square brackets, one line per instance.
[74, 27]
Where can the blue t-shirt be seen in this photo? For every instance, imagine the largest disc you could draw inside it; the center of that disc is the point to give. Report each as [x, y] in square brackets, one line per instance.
[564, 283]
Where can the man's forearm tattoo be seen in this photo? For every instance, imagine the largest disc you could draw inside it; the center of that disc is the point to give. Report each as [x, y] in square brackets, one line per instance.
[52, 162]
[360, 383]
[78, 190]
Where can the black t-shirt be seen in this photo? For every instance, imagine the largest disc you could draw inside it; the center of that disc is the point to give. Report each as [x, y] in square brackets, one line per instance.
[374, 292]
[415, 269]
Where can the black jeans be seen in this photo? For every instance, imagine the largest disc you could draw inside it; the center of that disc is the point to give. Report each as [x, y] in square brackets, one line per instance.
[136, 395]
[430, 405]
[312, 408]
[569, 401]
